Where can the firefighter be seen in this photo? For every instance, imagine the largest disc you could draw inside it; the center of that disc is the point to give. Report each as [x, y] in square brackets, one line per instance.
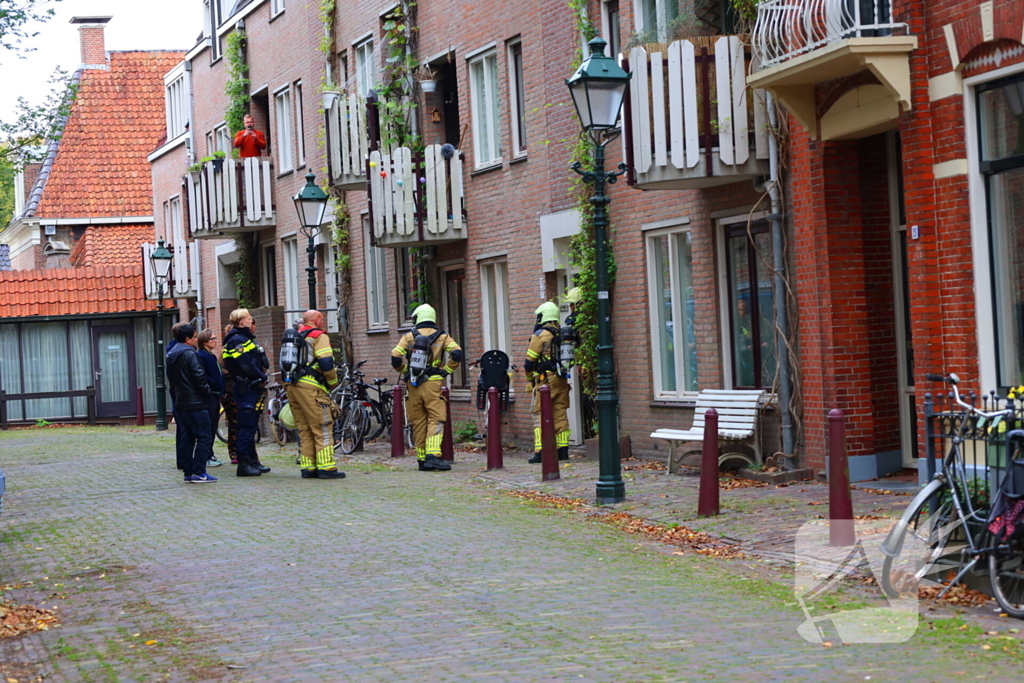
[243, 359]
[421, 353]
[544, 365]
[312, 407]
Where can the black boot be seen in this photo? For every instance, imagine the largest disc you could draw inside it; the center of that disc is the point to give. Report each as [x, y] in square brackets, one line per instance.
[563, 453]
[535, 460]
[261, 467]
[432, 462]
[330, 474]
[248, 470]
[309, 474]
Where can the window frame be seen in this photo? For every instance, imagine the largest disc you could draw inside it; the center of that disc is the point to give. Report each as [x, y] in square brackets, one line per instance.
[738, 225]
[662, 20]
[276, 7]
[490, 104]
[517, 97]
[365, 65]
[177, 112]
[654, 300]
[495, 304]
[300, 128]
[290, 263]
[613, 38]
[375, 260]
[221, 133]
[283, 130]
[268, 273]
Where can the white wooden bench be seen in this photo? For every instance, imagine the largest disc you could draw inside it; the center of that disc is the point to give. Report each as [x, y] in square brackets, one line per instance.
[738, 412]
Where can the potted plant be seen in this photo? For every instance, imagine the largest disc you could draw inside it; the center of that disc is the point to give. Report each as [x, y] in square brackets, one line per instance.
[218, 161]
[195, 170]
[427, 78]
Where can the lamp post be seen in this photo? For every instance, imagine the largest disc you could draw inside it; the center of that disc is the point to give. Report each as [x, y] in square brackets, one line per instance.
[161, 259]
[311, 203]
[598, 88]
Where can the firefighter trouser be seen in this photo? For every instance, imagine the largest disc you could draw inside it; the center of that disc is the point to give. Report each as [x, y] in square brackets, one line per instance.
[314, 421]
[427, 414]
[559, 407]
[248, 422]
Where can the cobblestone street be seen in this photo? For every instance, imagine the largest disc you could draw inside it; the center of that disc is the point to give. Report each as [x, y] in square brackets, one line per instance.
[389, 575]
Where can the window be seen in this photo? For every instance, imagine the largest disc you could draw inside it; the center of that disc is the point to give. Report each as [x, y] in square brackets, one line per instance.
[269, 275]
[376, 283]
[285, 161]
[673, 340]
[366, 70]
[483, 83]
[214, 13]
[176, 104]
[290, 249]
[495, 306]
[517, 98]
[1001, 120]
[222, 140]
[610, 27]
[174, 228]
[276, 7]
[455, 318]
[654, 20]
[300, 132]
[749, 301]
[407, 265]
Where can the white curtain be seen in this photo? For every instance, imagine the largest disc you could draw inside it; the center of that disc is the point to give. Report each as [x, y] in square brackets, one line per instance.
[145, 359]
[81, 364]
[45, 350]
[10, 368]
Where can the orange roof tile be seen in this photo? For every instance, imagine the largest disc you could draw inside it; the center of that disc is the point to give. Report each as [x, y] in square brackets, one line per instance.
[111, 245]
[73, 291]
[116, 120]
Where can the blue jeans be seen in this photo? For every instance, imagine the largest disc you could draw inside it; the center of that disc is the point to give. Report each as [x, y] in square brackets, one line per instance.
[194, 442]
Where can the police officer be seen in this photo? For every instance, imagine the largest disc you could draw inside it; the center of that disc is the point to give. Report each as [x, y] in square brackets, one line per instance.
[243, 359]
[544, 365]
[422, 353]
[309, 397]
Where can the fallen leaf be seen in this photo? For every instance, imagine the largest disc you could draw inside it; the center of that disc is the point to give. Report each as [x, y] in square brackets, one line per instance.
[827, 643]
[150, 642]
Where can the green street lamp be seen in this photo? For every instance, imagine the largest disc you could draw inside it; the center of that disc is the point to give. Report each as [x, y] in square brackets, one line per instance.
[598, 88]
[161, 260]
[311, 203]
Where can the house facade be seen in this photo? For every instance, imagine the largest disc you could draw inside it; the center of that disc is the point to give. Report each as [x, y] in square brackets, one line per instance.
[893, 239]
[75, 315]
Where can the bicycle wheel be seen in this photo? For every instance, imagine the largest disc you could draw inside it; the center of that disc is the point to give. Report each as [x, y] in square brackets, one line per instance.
[1006, 573]
[923, 547]
[376, 423]
[222, 426]
[352, 429]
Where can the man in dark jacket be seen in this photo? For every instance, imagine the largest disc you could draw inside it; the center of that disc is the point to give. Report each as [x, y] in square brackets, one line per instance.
[191, 393]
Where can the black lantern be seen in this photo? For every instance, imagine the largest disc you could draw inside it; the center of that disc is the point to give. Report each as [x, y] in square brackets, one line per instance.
[598, 88]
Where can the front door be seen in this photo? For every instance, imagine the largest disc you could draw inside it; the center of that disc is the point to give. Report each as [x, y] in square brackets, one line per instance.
[113, 356]
[455, 319]
[577, 425]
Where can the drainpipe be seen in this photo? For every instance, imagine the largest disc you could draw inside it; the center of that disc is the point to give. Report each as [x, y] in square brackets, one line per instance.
[780, 294]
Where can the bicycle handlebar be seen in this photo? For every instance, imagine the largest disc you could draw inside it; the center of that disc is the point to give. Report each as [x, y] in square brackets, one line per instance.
[953, 380]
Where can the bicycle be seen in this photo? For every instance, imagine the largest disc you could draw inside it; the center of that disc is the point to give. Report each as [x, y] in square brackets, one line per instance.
[943, 519]
[275, 403]
[222, 426]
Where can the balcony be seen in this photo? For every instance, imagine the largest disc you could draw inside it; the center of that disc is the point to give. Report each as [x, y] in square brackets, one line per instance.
[347, 140]
[236, 198]
[416, 201]
[803, 43]
[184, 272]
[691, 122]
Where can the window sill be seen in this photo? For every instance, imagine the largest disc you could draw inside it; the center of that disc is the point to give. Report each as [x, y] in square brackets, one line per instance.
[214, 61]
[518, 160]
[285, 174]
[275, 16]
[674, 403]
[379, 330]
[486, 169]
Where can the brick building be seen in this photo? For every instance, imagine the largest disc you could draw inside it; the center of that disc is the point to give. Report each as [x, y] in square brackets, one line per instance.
[886, 236]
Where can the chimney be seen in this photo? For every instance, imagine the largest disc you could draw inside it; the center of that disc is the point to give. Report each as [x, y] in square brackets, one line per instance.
[58, 255]
[90, 33]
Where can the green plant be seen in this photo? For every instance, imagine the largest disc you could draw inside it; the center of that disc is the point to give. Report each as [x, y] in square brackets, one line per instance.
[43, 423]
[977, 489]
[395, 105]
[237, 86]
[464, 431]
[246, 278]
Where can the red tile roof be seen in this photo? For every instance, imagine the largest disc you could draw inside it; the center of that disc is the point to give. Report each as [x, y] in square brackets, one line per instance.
[115, 122]
[72, 291]
[111, 245]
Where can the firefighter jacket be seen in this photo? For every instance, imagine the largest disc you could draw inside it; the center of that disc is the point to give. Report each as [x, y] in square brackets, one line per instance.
[242, 357]
[543, 353]
[319, 370]
[444, 344]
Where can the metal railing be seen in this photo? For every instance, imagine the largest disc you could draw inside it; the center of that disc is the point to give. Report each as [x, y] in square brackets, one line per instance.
[788, 28]
[89, 393]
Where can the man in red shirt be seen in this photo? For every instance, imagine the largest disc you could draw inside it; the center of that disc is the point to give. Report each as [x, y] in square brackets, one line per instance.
[250, 141]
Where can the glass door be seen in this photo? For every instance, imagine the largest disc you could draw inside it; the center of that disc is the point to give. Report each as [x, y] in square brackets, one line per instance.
[455, 319]
[751, 313]
[114, 363]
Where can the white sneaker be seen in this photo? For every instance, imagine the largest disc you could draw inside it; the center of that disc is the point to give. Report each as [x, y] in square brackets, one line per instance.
[213, 462]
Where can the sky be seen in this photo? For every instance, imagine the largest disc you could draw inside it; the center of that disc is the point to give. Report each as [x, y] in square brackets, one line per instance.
[136, 25]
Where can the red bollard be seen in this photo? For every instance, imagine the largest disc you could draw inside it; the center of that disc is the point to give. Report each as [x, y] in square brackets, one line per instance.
[548, 450]
[397, 423]
[495, 456]
[840, 502]
[707, 501]
[447, 441]
[140, 410]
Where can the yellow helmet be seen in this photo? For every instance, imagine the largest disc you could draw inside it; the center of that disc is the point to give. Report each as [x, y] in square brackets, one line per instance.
[286, 417]
[424, 313]
[573, 296]
[547, 312]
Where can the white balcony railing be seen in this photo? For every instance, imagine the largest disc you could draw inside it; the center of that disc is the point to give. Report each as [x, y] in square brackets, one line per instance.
[691, 121]
[184, 270]
[414, 201]
[347, 140]
[789, 28]
[237, 198]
